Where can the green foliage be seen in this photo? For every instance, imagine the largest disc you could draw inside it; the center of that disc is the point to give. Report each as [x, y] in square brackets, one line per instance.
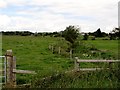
[71, 33]
[91, 37]
[98, 33]
[85, 37]
[98, 79]
[115, 34]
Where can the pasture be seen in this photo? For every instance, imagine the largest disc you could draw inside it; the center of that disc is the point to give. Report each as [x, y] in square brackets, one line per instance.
[106, 45]
[33, 54]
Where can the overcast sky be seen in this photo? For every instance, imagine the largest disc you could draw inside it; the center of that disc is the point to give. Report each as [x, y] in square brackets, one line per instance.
[56, 15]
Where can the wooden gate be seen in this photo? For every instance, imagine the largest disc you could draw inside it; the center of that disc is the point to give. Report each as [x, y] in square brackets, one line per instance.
[8, 70]
[2, 70]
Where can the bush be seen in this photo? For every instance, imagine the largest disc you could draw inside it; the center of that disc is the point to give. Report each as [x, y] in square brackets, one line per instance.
[85, 37]
[92, 37]
[97, 79]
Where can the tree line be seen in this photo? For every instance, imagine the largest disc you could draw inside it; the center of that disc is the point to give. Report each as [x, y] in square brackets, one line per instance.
[113, 35]
[69, 32]
[28, 33]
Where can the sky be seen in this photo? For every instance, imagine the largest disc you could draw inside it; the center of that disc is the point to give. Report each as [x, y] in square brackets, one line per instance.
[56, 15]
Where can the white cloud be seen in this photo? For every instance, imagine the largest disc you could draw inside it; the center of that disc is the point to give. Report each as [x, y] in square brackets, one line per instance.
[4, 20]
[16, 2]
[53, 15]
[3, 4]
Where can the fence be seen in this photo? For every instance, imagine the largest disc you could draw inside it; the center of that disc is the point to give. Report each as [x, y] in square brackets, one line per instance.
[78, 61]
[51, 47]
[10, 69]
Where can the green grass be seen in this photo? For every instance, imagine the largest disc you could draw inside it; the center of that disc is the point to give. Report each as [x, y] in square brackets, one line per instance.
[32, 53]
[98, 79]
[109, 48]
[109, 45]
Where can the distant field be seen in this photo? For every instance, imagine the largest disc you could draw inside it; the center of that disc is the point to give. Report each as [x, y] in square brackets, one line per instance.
[32, 53]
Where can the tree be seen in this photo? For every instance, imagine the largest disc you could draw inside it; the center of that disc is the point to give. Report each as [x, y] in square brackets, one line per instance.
[115, 34]
[85, 37]
[98, 33]
[70, 34]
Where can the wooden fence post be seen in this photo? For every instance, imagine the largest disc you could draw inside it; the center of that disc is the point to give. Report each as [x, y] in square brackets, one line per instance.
[59, 51]
[77, 67]
[49, 47]
[110, 65]
[52, 48]
[71, 54]
[9, 58]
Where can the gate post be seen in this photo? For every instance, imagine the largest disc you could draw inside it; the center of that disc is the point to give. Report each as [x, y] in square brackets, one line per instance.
[77, 67]
[14, 73]
[9, 73]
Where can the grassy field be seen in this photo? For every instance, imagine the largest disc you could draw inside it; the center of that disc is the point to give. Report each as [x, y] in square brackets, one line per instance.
[106, 45]
[33, 54]
[33, 50]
